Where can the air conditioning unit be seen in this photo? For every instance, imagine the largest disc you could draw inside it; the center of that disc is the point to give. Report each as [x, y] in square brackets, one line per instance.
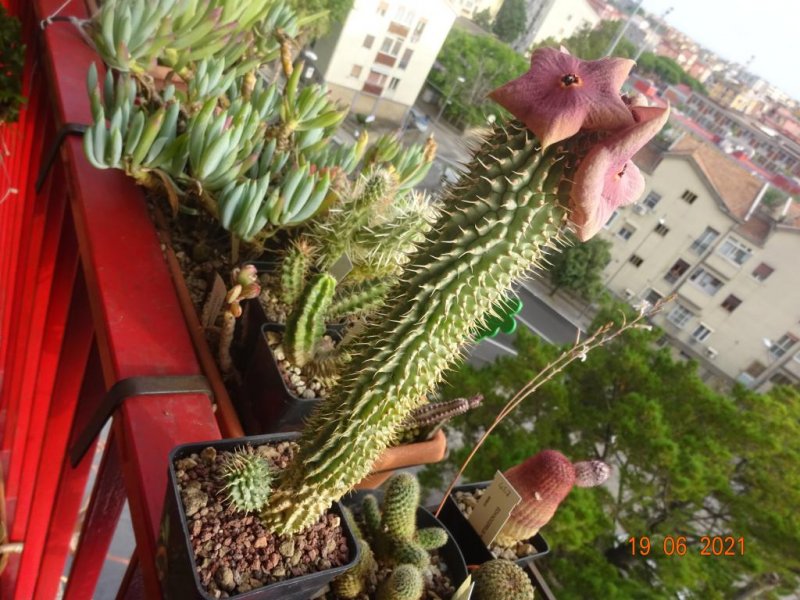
[640, 209]
[711, 353]
[629, 293]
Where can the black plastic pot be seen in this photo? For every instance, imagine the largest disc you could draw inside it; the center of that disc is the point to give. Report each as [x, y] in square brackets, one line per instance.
[449, 553]
[177, 569]
[265, 404]
[472, 546]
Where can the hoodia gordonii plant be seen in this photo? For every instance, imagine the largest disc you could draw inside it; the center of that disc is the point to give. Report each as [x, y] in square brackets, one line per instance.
[566, 160]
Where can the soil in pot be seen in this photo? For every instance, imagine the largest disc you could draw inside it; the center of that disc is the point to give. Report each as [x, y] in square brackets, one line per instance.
[233, 552]
[454, 514]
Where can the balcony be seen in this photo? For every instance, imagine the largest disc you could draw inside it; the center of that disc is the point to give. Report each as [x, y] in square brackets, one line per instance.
[398, 29]
[373, 89]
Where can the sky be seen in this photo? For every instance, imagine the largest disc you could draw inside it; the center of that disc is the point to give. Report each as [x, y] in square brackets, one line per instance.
[739, 29]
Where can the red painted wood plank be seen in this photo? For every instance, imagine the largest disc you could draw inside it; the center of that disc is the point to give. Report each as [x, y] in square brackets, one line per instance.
[71, 487]
[99, 525]
[69, 380]
[55, 327]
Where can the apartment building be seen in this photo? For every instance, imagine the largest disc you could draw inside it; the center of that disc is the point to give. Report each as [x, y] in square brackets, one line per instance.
[702, 233]
[558, 20]
[378, 59]
[470, 8]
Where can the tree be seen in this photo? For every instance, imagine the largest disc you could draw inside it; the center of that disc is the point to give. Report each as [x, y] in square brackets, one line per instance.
[483, 19]
[579, 268]
[510, 21]
[688, 462]
[485, 63]
[329, 11]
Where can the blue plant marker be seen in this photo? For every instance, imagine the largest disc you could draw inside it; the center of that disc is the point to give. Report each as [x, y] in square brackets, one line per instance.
[503, 320]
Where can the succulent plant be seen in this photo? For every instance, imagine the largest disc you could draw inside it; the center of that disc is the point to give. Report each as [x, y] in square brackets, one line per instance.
[245, 286]
[507, 211]
[247, 479]
[428, 418]
[543, 481]
[501, 579]
[404, 583]
[355, 582]
[306, 325]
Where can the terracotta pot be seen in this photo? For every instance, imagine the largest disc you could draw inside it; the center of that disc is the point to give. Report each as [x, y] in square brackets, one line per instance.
[406, 455]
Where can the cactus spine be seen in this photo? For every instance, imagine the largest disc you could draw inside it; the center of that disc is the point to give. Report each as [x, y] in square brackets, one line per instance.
[426, 419]
[306, 325]
[405, 583]
[358, 299]
[543, 481]
[504, 214]
[354, 582]
[293, 272]
[501, 580]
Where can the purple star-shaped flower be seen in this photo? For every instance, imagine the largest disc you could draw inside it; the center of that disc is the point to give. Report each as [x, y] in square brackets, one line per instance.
[606, 177]
[562, 94]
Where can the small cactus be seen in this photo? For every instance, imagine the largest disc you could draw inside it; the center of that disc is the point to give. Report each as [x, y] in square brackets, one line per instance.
[294, 270]
[354, 582]
[431, 538]
[405, 583]
[400, 506]
[543, 481]
[358, 299]
[306, 325]
[501, 580]
[426, 419]
[247, 479]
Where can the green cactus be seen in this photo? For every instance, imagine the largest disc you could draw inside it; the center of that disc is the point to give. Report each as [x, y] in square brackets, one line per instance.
[501, 580]
[358, 299]
[294, 270]
[306, 325]
[407, 552]
[247, 479]
[503, 215]
[431, 538]
[372, 516]
[399, 514]
[428, 418]
[405, 583]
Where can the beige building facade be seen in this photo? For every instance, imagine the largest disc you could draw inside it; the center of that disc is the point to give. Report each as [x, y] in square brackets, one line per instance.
[701, 232]
[378, 59]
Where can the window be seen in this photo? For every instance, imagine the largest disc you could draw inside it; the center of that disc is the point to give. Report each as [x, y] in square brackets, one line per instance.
[406, 58]
[418, 30]
[391, 46]
[611, 219]
[636, 260]
[382, 8]
[706, 281]
[404, 15]
[762, 271]
[702, 332]
[780, 379]
[706, 238]
[756, 369]
[731, 303]
[676, 271]
[797, 357]
[368, 41]
[393, 83]
[735, 251]
[652, 297]
[356, 71]
[679, 316]
[626, 231]
[690, 197]
[662, 229]
[784, 343]
[651, 200]
[376, 78]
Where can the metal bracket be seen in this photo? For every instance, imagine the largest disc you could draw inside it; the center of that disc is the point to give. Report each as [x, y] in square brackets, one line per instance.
[52, 153]
[127, 388]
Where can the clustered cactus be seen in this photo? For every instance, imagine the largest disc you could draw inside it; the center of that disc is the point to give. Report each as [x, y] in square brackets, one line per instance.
[247, 479]
[543, 481]
[567, 162]
[392, 540]
[501, 579]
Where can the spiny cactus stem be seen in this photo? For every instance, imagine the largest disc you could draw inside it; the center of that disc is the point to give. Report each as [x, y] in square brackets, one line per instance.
[498, 228]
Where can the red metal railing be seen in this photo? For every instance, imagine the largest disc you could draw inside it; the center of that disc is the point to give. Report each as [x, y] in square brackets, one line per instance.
[86, 300]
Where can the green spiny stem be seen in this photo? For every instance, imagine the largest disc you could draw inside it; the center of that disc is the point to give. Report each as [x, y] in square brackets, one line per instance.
[359, 299]
[293, 272]
[504, 214]
[306, 325]
[436, 413]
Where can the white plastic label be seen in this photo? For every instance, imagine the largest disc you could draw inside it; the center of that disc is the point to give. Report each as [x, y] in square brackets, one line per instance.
[464, 591]
[494, 508]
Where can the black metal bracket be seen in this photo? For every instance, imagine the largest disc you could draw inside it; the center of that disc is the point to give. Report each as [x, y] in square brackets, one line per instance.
[127, 388]
[52, 153]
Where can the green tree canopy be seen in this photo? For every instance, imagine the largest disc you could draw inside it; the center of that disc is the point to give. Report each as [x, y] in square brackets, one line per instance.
[687, 461]
[485, 63]
[510, 21]
[330, 11]
[579, 267]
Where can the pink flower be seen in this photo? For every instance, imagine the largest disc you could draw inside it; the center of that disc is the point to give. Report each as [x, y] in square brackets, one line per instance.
[606, 177]
[562, 94]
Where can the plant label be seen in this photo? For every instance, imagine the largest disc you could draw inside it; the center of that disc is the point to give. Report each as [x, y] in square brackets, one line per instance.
[464, 591]
[341, 267]
[494, 508]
